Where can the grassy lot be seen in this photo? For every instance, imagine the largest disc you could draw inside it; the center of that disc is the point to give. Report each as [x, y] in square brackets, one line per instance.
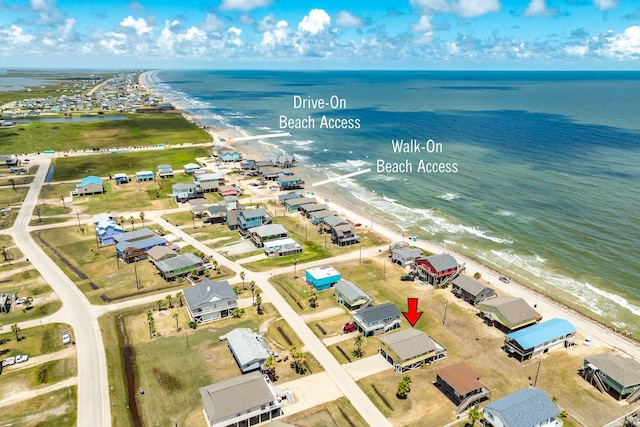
[8, 218]
[172, 366]
[213, 235]
[29, 283]
[340, 412]
[127, 198]
[35, 377]
[55, 409]
[136, 130]
[11, 197]
[8, 179]
[33, 341]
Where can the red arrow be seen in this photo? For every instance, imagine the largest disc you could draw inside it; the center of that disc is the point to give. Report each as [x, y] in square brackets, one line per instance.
[413, 315]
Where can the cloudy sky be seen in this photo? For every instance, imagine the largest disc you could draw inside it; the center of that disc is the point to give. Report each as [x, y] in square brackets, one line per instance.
[329, 34]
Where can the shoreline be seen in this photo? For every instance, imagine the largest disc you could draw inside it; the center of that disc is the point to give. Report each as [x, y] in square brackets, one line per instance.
[546, 305]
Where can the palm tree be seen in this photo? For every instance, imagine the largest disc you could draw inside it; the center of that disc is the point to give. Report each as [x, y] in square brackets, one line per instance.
[313, 298]
[3, 249]
[132, 221]
[237, 312]
[160, 304]
[175, 316]
[141, 215]
[27, 303]
[270, 368]
[252, 285]
[258, 303]
[298, 359]
[121, 221]
[16, 330]
[403, 389]
[13, 183]
[242, 275]
[179, 296]
[169, 300]
[359, 341]
[474, 415]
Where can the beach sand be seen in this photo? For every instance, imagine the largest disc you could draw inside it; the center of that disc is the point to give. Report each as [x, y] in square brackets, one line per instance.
[600, 335]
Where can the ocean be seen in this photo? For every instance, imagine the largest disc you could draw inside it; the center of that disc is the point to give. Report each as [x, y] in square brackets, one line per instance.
[534, 174]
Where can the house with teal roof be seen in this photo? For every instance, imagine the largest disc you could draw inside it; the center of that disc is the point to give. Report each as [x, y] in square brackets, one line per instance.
[89, 185]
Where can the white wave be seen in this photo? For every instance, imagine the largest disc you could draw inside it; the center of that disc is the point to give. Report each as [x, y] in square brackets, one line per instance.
[449, 196]
[617, 299]
[357, 163]
[442, 225]
[389, 199]
[505, 213]
[264, 128]
[539, 258]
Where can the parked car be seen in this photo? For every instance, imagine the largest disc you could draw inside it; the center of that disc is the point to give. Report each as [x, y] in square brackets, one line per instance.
[9, 361]
[349, 327]
[503, 279]
[407, 278]
[22, 358]
[66, 337]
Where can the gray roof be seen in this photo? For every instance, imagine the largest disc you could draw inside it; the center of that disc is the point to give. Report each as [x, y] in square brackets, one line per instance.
[469, 284]
[410, 343]
[183, 187]
[350, 291]
[178, 262]
[141, 233]
[159, 252]
[378, 312]
[321, 214]
[408, 252]
[299, 201]
[237, 395]
[514, 309]
[208, 290]
[623, 370]
[313, 207]
[334, 221]
[149, 242]
[268, 230]
[442, 262]
[289, 196]
[253, 213]
[247, 346]
[216, 209]
[524, 408]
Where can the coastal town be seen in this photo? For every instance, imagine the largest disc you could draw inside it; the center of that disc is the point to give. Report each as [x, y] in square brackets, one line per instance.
[191, 282]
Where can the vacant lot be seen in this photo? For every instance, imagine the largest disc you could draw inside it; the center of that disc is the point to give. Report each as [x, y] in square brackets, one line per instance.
[55, 409]
[29, 283]
[33, 341]
[338, 413]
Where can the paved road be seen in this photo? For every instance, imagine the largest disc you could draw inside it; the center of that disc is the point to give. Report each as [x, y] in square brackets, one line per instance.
[93, 387]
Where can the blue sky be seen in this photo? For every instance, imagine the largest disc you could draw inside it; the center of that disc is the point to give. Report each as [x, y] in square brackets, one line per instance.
[289, 34]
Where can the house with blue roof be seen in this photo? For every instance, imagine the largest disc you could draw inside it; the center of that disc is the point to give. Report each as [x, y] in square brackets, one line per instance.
[528, 407]
[106, 231]
[230, 156]
[538, 339]
[190, 168]
[89, 185]
[142, 176]
[132, 251]
[250, 218]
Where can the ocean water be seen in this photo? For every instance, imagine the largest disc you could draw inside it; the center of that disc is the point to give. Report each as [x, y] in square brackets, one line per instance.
[546, 182]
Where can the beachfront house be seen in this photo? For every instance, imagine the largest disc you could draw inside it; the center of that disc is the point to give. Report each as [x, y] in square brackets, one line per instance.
[351, 296]
[538, 339]
[282, 247]
[217, 214]
[377, 319]
[322, 278]
[142, 176]
[508, 313]
[246, 400]
[165, 171]
[89, 185]
[230, 155]
[344, 235]
[438, 269]
[293, 204]
[209, 301]
[289, 182]
[121, 178]
[470, 290]
[182, 192]
[528, 407]
[181, 265]
[270, 173]
[331, 221]
[461, 383]
[317, 218]
[106, 232]
[312, 207]
[208, 181]
[248, 348]
[410, 349]
[229, 190]
[614, 374]
[251, 218]
[284, 197]
[190, 168]
[267, 232]
[405, 255]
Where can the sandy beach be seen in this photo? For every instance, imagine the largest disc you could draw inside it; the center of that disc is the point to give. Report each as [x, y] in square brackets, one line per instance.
[600, 335]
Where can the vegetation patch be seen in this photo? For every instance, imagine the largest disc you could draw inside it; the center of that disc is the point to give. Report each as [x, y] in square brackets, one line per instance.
[168, 382]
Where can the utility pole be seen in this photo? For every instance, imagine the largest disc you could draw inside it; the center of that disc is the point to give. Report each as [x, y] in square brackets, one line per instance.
[135, 270]
[295, 264]
[444, 318]
[78, 216]
[535, 381]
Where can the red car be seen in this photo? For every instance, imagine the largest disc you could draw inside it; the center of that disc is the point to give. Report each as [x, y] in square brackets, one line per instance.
[349, 327]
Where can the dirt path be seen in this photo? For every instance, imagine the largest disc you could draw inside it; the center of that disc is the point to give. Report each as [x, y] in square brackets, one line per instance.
[29, 394]
[69, 351]
[329, 312]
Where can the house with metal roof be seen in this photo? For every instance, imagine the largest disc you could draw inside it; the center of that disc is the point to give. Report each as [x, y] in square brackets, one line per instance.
[538, 339]
[230, 156]
[181, 265]
[181, 192]
[283, 197]
[267, 232]
[313, 207]
[317, 218]
[289, 182]
[410, 349]
[294, 204]
[208, 181]
[160, 253]
[250, 218]
[509, 313]
[229, 190]
[106, 232]
[142, 176]
[190, 168]
[89, 185]
[377, 319]
[322, 277]
[350, 295]
[471, 290]
[209, 300]
[405, 256]
[437, 269]
[136, 250]
[461, 383]
[270, 173]
[246, 400]
[329, 222]
[528, 407]
[130, 236]
[614, 374]
[248, 349]
[165, 171]
[282, 247]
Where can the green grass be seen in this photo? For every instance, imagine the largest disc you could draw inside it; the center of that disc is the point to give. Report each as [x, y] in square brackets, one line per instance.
[136, 130]
[33, 341]
[41, 375]
[55, 409]
[340, 412]
[18, 180]
[11, 197]
[29, 283]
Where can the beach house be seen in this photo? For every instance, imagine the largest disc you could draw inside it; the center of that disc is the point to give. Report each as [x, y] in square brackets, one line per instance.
[216, 214]
[538, 339]
[229, 190]
[270, 173]
[250, 218]
[318, 217]
[182, 192]
[282, 247]
[437, 269]
[208, 182]
[470, 290]
[264, 233]
[171, 268]
[508, 313]
[332, 221]
[350, 295]
[246, 400]
[614, 374]
[289, 182]
[89, 185]
[377, 319]
[165, 171]
[209, 301]
[230, 155]
[159, 253]
[190, 168]
[410, 349]
[293, 204]
[528, 407]
[248, 348]
[322, 278]
[106, 232]
[344, 235]
[461, 383]
[142, 176]
[312, 207]
[405, 255]
[121, 178]
[133, 246]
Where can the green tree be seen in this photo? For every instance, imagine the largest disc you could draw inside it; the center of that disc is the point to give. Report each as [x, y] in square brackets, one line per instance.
[132, 221]
[404, 387]
[3, 250]
[121, 221]
[242, 276]
[359, 341]
[16, 330]
[27, 303]
[270, 368]
[313, 298]
[259, 303]
[477, 275]
[175, 316]
[298, 359]
[141, 215]
[169, 300]
[237, 312]
[13, 183]
[160, 304]
[179, 296]
[474, 415]
[252, 285]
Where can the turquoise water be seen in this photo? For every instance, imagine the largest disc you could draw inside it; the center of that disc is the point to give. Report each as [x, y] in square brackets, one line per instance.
[545, 187]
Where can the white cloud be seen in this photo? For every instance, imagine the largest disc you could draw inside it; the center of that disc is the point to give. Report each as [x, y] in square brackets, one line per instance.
[15, 35]
[538, 8]
[423, 24]
[243, 4]
[139, 25]
[345, 19]
[605, 4]
[462, 8]
[67, 30]
[277, 35]
[315, 22]
[625, 46]
[212, 23]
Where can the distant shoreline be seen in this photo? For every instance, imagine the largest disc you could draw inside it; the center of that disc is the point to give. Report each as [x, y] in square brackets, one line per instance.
[545, 304]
